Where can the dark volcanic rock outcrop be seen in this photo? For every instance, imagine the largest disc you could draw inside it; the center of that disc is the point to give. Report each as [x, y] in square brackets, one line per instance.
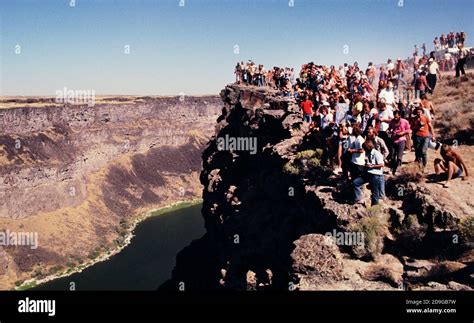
[253, 210]
[267, 210]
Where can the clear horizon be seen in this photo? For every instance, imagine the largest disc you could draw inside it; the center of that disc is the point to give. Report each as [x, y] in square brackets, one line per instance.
[191, 49]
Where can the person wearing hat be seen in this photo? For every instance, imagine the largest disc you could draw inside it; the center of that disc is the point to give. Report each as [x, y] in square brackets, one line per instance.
[433, 71]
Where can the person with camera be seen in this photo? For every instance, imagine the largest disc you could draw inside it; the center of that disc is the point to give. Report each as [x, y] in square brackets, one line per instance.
[373, 174]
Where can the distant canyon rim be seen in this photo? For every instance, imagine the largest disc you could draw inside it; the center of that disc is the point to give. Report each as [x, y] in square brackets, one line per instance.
[79, 175]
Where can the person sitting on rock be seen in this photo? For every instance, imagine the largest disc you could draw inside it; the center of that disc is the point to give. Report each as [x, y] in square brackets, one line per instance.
[373, 174]
[452, 164]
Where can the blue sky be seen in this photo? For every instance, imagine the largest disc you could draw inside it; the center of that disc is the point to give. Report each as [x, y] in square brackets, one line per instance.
[190, 49]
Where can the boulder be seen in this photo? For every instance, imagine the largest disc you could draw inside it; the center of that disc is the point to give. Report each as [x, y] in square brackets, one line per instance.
[317, 255]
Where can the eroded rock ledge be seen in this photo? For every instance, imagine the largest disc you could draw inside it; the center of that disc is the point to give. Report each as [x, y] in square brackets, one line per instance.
[267, 214]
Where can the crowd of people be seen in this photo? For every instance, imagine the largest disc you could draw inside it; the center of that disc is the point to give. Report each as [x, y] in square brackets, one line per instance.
[449, 60]
[364, 129]
[278, 77]
[431, 67]
[361, 128]
[364, 125]
[451, 40]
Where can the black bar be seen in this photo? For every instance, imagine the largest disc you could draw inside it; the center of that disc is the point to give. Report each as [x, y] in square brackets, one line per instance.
[367, 306]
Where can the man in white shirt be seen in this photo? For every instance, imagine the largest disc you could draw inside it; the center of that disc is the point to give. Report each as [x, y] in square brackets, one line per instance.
[373, 175]
[433, 71]
[388, 95]
[357, 152]
[385, 116]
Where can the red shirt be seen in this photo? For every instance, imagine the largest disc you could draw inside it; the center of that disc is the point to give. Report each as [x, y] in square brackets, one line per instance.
[307, 107]
[422, 126]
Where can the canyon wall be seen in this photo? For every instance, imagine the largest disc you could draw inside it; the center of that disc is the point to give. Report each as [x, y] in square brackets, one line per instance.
[78, 175]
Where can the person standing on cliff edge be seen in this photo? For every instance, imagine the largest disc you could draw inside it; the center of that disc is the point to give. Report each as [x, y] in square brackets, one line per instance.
[238, 72]
[307, 106]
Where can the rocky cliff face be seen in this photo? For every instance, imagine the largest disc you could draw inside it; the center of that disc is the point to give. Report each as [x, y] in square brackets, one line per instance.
[268, 213]
[78, 175]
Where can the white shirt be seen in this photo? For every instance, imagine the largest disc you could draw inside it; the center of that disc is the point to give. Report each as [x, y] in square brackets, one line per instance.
[358, 118]
[358, 158]
[433, 68]
[390, 66]
[341, 112]
[326, 120]
[386, 114]
[389, 96]
[462, 53]
[375, 158]
[427, 113]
